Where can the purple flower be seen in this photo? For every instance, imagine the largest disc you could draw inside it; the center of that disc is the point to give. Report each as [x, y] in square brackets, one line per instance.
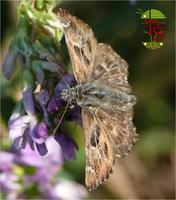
[10, 186]
[52, 158]
[40, 133]
[43, 98]
[75, 115]
[8, 181]
[6, 160]
[42, 149]
[40, 154]
[53, 105]
[17, 125]
[67, 144]
[25, 129]
[20, 129]
[28, 101]
[67, 79]
[49, 185]
[20, 142]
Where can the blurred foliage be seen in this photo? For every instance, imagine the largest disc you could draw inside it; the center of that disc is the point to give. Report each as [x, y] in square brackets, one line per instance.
[151, 74]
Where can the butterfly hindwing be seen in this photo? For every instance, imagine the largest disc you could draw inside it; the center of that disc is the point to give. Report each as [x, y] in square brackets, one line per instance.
[99, 155]
[106, 138]
[119, 129]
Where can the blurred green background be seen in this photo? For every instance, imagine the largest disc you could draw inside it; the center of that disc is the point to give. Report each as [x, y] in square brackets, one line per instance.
[148, 172]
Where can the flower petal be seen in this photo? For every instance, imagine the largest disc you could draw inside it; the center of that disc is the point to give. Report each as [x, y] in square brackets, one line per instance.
[67, 144]
[62, 84]
[18, 125]
[30, 140]
[75, 115]
[42, 149]
[40, 133]
[28, 101]
[43, 97]
[20, 143]
[52, 105]
[28, 87]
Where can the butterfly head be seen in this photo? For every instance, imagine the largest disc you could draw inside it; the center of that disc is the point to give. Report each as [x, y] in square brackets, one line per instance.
[65, 94]
[70, 94]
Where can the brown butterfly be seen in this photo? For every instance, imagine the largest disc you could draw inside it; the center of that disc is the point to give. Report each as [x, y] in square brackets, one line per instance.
[103, 93]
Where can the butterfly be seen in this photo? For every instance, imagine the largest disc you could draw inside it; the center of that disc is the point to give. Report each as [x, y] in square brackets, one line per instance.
[103, 93]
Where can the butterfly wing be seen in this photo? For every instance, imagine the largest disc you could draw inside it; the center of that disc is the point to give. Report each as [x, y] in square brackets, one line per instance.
[108, 135]
[81, 45]
[99, 155]
[109, 68]
[117, 133]
[119, 129]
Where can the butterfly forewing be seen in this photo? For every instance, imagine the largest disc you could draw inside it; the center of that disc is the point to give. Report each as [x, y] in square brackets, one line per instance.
[110, 68]
[81, 45]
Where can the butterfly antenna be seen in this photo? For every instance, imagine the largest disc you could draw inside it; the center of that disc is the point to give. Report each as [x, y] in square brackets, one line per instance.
[62, 78]
[60, 121]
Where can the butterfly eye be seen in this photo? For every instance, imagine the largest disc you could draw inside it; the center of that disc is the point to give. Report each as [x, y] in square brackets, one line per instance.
[99, 95]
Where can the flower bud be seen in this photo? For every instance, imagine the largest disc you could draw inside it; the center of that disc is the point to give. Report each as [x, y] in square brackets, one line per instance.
[28, 85]
[43, 97]
[52, 105]
[43, 52]
[67, 144]
[40, 133]
[51, 67]
[62, 84]
[38, 71]
[42, 149]
[9, 65]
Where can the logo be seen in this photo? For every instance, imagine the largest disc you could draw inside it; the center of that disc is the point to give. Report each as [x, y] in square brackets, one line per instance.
[153, 21]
